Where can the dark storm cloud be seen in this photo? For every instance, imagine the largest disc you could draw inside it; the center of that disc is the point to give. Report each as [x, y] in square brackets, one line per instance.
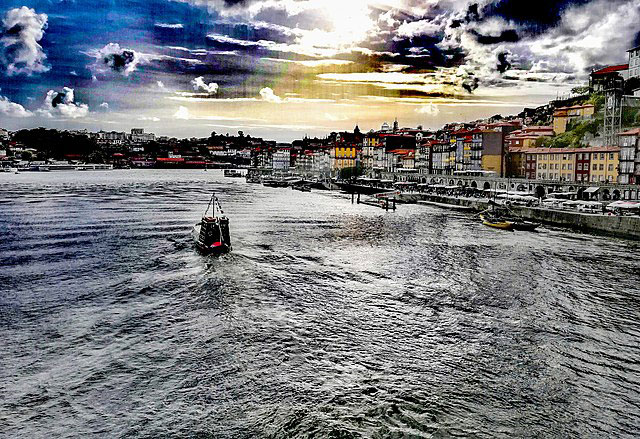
[119, 61]
[503, 62]
[507, 36]
[58, 99]
[533, 17]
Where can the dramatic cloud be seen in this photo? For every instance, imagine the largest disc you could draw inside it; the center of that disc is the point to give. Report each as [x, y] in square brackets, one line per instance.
[20, 52]
[199, 85]
[268, 95]
[114, 58]
[11, 109]
[62, 104]
[104, 106]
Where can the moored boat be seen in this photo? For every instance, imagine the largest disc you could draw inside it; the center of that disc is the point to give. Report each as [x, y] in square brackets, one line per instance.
[526, 226]
[497, 223]
[211, 235]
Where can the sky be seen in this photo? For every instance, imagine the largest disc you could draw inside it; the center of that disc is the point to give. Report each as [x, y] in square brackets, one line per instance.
[282, 69]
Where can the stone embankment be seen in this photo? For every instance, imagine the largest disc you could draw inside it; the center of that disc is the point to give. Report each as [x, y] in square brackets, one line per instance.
[621, 226]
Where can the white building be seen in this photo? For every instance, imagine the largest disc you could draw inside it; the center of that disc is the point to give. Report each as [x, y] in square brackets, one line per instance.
[321, 163]
[139, 136]
[634, 62]
[281, 159]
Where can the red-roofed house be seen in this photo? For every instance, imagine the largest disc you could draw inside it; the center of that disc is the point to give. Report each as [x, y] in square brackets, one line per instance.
[599, 78]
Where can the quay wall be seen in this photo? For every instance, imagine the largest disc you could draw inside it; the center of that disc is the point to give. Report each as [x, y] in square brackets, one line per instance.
[621, 226]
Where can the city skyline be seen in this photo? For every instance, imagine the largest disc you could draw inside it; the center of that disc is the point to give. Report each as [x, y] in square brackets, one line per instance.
[286, 69]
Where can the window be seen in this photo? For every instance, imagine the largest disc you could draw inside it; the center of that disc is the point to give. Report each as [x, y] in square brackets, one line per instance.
[611, 156]
[579, 166]
[610, 168]
[601, 167]
[556, 166]
[595, 167]
[569, 166]
[602, 156]
[564, 166]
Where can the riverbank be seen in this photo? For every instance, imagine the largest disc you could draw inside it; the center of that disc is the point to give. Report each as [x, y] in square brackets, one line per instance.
[619, 226]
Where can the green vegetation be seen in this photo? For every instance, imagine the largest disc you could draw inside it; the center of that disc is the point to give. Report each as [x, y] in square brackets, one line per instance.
[597, 99]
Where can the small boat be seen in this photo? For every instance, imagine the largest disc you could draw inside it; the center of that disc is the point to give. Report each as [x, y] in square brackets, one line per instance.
[496, 223]
[301, 187]
[232, 173]
[211, 235]
[275, 183]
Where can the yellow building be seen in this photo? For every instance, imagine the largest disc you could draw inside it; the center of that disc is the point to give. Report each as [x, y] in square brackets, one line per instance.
[564, 115]
[604, 164]
[343, 157]
[492, 163]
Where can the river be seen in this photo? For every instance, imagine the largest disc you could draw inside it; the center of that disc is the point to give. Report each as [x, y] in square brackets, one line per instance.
[328, 320]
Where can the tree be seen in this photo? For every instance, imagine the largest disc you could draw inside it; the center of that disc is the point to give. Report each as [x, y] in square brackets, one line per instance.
[542, 141]
[581, 90]
[26, 156]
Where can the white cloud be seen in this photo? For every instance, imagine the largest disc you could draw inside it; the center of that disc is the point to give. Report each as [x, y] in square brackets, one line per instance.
[11, 109]
[268, 95]
[199, 84]
[154, 119]
[20, 51]
[62, 104]
[170, 25]
[104, 105]
[429, 109]
[182, 113]
[161, 85]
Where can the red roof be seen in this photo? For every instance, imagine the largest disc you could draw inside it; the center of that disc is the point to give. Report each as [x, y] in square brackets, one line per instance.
[170, 160]
[633, 132]
[611, 69]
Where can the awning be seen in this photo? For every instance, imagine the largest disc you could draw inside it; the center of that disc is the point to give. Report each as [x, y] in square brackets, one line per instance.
[591, 190]
[624, 205]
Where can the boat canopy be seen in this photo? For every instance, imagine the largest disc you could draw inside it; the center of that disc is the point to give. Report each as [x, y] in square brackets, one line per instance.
[624, 205]
[591, 190]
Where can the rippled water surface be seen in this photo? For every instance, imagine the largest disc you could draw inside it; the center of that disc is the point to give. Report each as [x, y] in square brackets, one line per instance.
[327, 320]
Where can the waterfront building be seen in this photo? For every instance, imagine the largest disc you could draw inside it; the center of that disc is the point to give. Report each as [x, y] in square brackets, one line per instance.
[629, 172]
[321, 163]
[604, 164]
[281, 160]
[583, 166]
[492, 150]
[596, 164]
[565, 115]
[370, 143]
[634, 62]
[519, 164]
[343, 157]
[424, 156]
